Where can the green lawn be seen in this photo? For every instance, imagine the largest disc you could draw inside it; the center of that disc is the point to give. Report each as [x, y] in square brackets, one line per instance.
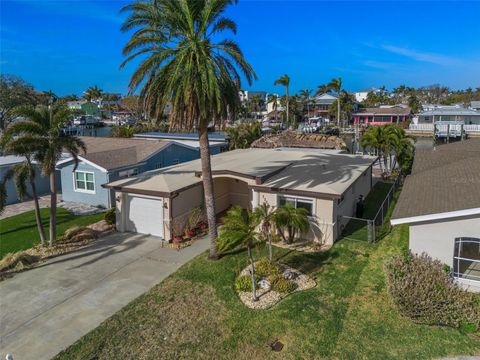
[20, 232]
[196, 313]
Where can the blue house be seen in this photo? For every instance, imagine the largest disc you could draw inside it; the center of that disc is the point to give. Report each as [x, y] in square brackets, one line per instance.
[7, 162]
[110, 159]
[218, 142]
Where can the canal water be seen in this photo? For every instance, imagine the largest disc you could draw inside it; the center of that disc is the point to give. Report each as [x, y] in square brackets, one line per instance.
[97, 132]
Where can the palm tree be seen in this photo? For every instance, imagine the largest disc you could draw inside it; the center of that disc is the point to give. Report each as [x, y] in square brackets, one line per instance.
[265, 215]
[183, 65]
[239, 228]
[284, 81]
[322, 89]
[23, 172]
[41, 130]
[336, 85]
[305, 96]
[93, 93]
[291, 220]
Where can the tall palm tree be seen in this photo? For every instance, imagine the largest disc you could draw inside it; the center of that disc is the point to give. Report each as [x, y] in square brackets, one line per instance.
[240, 229]
[336, 85]
[305, 96]
[184, 65]
[322, 89]
[265, 215]
[41, 130]
[24, 146]
[285, 81]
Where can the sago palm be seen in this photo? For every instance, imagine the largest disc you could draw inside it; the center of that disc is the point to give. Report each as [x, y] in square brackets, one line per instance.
[184, 65]
[285, 81]
[41, 130]
[240, 229]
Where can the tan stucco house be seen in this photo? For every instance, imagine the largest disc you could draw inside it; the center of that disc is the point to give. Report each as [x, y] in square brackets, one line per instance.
[326, 183]
[441, 203]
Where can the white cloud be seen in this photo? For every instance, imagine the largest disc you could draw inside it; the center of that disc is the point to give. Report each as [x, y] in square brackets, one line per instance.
[428, 57]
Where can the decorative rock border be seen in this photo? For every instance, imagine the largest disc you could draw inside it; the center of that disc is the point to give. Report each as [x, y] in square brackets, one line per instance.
[268, 298]
[304, 246]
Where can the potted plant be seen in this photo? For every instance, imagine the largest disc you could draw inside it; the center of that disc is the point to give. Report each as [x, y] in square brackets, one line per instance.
[194, 219]
[177, 233]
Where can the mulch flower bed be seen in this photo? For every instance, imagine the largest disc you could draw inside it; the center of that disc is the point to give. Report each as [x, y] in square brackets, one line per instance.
[267, 297]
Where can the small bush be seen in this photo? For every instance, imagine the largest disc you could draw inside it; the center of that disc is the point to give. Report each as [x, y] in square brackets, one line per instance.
[244, 283]
[78, 234]
[110, 216]
[283, 285]
[424, 292]
[17, 261]
[264, 267]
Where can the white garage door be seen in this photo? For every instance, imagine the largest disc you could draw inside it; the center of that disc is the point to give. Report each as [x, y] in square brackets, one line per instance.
[145, 215]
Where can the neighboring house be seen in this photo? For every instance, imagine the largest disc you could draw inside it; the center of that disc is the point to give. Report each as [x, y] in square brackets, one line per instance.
[88, 108]
[110, 159]
[467, 116]
[322, 104]
[362, 94]
[440, 201]
[246, 95]
[218, 142]
[42, 183]
[382, 115]
[327, 184]
[475, 105]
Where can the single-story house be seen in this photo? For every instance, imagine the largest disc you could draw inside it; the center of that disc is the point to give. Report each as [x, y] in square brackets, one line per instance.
[441, 202]
[382, 115]
[326, 183]
[42, 182]
[109, 159]
[218, 142]
[467, 116]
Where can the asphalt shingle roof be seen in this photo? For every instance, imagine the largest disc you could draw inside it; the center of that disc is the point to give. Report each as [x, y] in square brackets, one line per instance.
[443, 179]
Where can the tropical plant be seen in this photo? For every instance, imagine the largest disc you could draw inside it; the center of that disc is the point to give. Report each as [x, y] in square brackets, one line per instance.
[184, 66]
[41, 132]
[93, 93]
[322, 89]
[306, 100]
[265, 215]
[290, 221]
[243, 135]
[14, 91]
[336, 85]
[240, 228]
[285, 81]
[123, 131]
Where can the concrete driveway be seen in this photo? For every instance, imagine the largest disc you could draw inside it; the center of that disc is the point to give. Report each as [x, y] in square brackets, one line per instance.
[44, 310]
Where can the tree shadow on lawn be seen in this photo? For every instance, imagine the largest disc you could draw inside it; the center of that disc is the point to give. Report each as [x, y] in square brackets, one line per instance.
[32, 223]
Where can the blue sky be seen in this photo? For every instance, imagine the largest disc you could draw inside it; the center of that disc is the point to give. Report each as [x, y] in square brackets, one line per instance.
[67, 46]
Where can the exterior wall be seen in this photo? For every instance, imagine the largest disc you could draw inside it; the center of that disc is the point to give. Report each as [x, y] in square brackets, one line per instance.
[347, 207]
[42, 184]
[101, 196]
[180, 208]
[436, 238]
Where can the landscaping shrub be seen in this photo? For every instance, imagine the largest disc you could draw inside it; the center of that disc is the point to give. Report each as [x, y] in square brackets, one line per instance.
[244, 283]
[264, 267]
[424, 292]
[78, 234]
[17, 261]
[110, 216]
[283, 285]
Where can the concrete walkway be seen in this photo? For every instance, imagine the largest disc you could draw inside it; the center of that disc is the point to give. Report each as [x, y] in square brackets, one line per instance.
[46, 309]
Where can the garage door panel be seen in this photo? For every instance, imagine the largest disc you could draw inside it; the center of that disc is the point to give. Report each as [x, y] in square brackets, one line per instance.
[145, 216]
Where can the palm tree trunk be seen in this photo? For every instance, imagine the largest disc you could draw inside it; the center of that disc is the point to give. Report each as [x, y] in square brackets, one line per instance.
[208, 189]
[288, 119]
[266, 230]
[38, 218]
[53, 207]
[252, 273]
[338, 109]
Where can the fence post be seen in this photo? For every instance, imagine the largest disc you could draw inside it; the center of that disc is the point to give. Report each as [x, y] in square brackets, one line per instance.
[369, 231]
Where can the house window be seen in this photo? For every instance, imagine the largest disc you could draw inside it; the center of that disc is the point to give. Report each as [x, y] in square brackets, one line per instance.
[297, 203]
[158, 165]
[127, 173]
[84, 181]
[466, 258]
[175, 161]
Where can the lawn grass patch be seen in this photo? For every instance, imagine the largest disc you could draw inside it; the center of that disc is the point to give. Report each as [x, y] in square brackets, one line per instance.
[20, 232]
